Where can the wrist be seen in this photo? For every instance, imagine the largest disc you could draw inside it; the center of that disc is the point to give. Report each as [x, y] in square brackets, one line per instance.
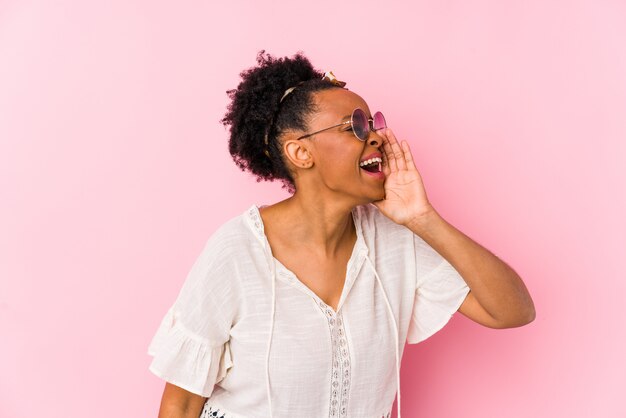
[421, 221]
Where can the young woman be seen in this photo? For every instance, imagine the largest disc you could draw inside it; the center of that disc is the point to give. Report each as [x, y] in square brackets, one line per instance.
[302, 308]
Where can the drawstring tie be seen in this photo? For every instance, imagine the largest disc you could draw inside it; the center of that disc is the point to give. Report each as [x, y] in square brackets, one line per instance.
[395, 329]
[269, 342]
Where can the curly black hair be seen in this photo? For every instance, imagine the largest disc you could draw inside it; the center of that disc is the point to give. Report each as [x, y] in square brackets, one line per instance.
[256, 110]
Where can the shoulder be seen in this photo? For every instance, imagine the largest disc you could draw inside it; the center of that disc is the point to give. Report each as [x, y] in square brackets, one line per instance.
[213, 277]
[228, 241]
[231, 232]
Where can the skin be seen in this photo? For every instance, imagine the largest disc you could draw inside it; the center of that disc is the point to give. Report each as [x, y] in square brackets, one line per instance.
[312, 233]
[180, 403]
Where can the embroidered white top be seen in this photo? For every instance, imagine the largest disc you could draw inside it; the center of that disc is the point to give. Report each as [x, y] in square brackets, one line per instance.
[247, 334]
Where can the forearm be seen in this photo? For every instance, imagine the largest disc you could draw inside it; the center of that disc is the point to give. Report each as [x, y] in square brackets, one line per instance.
[180, 403]
[173, 411]
[495, 285]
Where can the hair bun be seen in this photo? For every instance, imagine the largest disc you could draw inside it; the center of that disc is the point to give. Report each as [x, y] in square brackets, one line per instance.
[259, 112]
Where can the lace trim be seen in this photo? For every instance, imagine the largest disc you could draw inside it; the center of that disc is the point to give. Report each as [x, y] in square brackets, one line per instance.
[340, 374]
[211, 413]
[254, 215]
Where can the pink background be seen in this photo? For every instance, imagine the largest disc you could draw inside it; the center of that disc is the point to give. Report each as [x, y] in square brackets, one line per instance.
[114, 171]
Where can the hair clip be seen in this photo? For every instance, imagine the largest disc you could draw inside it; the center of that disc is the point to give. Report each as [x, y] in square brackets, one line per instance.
[329, 76]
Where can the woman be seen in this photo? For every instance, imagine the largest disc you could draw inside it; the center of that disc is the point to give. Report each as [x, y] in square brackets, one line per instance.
[302, 308]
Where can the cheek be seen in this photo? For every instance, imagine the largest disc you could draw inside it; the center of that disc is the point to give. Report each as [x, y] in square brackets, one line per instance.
[340, 159]
[339, 164]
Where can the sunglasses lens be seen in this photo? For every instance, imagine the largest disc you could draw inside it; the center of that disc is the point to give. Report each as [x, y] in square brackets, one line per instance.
[379, 121]
[360, 124]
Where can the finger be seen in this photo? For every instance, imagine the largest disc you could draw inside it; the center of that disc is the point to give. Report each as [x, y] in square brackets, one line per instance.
[408, 157]
[385, 164]
[396, 150]
[383, 153]
[389, 153]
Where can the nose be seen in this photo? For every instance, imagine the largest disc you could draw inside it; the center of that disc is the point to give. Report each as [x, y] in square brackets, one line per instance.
[374, 139]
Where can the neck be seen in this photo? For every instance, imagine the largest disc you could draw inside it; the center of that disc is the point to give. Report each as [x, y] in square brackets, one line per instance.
[322, 226]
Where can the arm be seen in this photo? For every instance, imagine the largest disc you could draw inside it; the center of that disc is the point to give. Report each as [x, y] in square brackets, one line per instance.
[498, 297]
[180, 403]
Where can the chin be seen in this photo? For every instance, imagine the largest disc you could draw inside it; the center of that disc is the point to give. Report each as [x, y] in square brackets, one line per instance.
[374, 197]
[381, 193]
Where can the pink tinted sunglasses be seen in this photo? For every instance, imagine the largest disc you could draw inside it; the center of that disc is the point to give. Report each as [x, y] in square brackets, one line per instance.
[361, 124]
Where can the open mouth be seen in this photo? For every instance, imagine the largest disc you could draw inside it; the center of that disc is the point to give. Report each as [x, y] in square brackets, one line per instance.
[373, 165]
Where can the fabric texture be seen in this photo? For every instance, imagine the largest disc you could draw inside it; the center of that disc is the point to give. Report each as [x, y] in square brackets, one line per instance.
[246, 333]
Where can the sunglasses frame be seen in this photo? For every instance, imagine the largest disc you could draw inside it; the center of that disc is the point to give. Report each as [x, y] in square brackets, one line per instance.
[370, 125]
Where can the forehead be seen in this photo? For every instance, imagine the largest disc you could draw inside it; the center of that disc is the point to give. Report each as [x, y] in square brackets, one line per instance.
[337, 103]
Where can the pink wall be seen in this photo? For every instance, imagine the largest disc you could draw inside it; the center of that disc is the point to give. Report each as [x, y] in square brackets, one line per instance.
[114, 171]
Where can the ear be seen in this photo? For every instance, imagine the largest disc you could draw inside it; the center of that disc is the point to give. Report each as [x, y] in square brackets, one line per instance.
[297, 152]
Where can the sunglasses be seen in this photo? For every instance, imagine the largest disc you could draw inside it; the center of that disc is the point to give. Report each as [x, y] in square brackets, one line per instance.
[361, 125]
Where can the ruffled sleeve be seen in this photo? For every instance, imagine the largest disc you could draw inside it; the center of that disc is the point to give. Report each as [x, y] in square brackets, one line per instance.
[187, 360]
[190, 348]
[440, 291]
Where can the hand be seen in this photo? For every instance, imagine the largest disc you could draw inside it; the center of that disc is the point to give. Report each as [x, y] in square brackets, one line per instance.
[405, 197]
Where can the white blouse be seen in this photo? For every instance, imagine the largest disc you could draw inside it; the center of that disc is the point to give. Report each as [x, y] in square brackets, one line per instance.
[247, 334]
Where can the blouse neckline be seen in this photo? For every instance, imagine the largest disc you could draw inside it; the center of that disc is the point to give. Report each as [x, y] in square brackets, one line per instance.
[359, 251]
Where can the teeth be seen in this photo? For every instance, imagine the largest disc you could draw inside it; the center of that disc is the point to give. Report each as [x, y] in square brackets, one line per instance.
[371, 160]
